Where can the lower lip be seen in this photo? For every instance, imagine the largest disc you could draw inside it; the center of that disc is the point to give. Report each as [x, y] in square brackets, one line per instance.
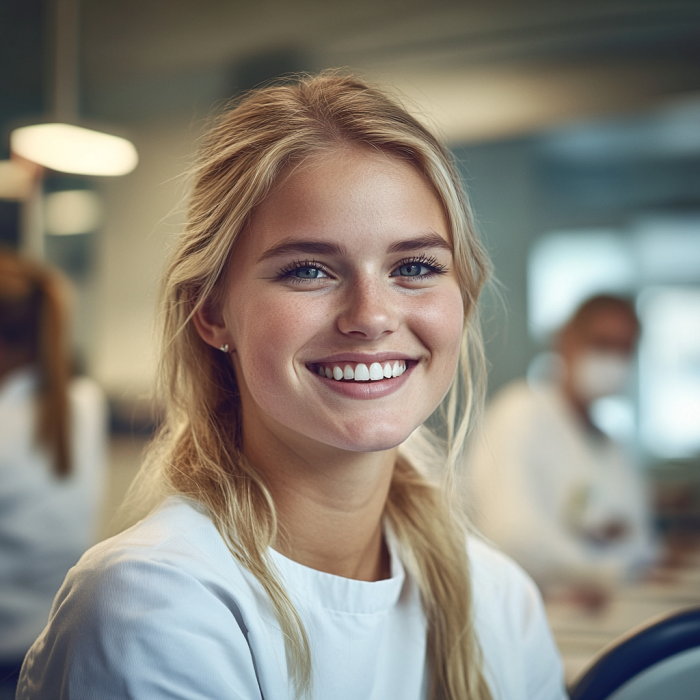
[367, 389]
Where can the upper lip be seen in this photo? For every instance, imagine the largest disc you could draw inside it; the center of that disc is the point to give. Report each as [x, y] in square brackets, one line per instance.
[365, 357]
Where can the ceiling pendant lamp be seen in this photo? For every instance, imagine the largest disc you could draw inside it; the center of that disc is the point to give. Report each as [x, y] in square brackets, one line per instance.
[69, 148]
[61, 142]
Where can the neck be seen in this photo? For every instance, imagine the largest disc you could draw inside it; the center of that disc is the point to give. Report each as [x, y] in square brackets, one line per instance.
[329, 503]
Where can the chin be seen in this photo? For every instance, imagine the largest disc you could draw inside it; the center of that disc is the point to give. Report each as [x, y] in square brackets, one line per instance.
[372, 440]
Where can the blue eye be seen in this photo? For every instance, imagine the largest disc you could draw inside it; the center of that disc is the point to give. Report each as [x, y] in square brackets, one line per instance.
[307, 273]
[302, 271]
[411, 270]
[421, 267]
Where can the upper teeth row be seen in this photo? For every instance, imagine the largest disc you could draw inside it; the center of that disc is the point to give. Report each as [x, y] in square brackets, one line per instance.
[361, 373]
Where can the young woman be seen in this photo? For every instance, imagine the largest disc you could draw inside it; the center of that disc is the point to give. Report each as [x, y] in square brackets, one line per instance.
[318, 309]
[52, 456]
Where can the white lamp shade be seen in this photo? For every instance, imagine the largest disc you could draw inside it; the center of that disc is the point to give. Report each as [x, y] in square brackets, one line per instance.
[74, 149]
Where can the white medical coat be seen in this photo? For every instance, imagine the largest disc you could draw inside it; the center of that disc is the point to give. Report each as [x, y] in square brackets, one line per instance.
[536, 482]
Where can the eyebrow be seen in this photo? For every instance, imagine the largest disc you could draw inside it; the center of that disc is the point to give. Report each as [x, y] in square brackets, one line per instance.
[310, 247]
[428, 240]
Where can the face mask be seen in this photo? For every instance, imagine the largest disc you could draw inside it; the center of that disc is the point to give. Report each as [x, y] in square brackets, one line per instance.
[598, 374]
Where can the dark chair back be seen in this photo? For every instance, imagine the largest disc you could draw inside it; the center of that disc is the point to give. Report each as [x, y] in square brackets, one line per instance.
[662, 648]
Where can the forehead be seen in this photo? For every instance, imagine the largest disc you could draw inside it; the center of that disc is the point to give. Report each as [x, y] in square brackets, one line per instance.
[344, 193]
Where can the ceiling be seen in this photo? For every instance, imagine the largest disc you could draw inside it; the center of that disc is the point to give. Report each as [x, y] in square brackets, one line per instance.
[154, 37]
[479, 69]
[475, 69]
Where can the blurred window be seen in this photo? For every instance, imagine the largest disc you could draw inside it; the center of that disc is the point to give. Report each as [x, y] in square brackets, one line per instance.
[566, 268]
[670, 371]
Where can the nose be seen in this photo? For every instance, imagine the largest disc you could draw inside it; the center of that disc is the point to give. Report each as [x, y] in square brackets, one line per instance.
[369, 313]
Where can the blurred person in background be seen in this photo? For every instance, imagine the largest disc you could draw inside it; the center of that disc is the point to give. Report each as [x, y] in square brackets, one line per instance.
[547, 485]
[52, 456]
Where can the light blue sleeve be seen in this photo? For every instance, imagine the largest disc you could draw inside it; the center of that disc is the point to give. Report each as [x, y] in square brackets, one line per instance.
[136, 628]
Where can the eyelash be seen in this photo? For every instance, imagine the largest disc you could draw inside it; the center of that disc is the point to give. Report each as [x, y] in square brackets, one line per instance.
[286, 272]
[434, 267]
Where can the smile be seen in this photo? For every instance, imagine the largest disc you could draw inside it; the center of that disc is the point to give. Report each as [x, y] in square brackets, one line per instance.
[360, 372]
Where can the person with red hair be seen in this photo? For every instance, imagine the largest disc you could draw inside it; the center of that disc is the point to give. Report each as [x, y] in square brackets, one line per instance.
[52, 455]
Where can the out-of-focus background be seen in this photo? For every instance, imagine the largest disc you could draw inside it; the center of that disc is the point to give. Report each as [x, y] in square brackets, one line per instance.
[576, 126]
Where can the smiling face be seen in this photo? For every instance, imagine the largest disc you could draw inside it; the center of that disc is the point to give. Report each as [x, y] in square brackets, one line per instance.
[341, 304]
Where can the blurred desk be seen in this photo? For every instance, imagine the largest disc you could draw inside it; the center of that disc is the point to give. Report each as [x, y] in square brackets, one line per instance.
[581, 634]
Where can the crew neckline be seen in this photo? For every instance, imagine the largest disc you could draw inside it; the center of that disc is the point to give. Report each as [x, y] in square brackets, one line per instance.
[314, 588]
[341, 594]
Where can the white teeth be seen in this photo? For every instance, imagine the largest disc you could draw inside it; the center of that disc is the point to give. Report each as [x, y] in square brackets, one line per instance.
[361, 372]
[376, 372]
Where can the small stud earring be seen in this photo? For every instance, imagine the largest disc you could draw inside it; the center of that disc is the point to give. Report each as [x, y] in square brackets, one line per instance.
[224, 347]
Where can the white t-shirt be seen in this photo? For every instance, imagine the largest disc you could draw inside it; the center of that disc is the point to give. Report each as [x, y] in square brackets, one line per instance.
[163, 610]
[46, 522]
[536, 483]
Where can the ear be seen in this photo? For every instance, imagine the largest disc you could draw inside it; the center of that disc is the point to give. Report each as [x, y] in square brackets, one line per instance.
[210, 325]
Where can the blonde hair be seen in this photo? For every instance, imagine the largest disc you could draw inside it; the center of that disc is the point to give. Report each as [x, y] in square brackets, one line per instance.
[198, 452]
[33, 324]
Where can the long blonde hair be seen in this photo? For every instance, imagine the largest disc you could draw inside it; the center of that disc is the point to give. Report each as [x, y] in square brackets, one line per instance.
[198, 450]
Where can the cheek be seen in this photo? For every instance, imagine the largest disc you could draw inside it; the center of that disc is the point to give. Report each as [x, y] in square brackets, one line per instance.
[260, 335]
[267, 334]
[440, 324]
